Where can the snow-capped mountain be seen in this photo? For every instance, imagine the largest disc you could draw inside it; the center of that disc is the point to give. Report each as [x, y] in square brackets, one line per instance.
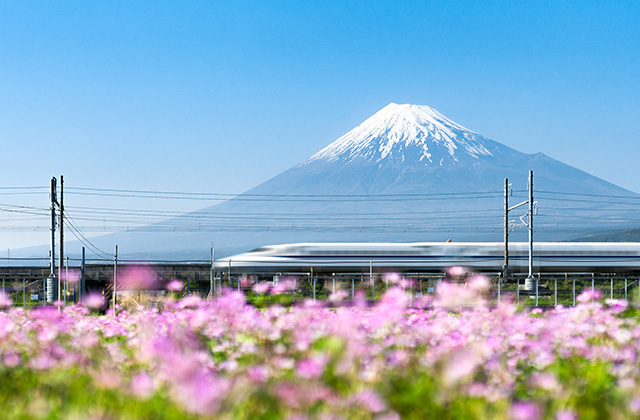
[407, 173]
[410, 134]
[415, 149]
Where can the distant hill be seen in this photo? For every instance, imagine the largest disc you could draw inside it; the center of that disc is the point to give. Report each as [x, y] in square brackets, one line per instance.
[627, 235]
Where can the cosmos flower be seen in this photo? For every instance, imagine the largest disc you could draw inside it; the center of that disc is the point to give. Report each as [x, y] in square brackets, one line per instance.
[175, 286]
[216, 358]
[94, 301]
[261, 288]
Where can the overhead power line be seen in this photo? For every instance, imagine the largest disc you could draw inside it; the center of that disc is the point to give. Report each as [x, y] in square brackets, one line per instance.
[76, 231]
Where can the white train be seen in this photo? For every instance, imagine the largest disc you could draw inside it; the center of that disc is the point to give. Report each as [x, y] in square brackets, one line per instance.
[435, 257]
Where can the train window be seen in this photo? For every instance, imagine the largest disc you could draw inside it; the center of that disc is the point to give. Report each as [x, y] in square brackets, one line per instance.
[361, 252]
[262, 249]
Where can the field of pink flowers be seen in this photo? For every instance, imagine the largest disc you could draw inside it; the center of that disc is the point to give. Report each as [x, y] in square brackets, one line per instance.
[230, 360]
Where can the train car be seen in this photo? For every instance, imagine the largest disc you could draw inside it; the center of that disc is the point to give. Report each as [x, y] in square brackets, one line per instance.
[436, 256]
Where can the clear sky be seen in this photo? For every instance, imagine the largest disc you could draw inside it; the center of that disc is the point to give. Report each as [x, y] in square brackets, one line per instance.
[218, 96]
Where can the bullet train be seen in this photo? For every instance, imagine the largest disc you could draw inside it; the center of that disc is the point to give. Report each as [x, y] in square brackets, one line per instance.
[603, 257]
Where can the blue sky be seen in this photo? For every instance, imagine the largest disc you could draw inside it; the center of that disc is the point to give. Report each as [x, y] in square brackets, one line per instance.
[220, 96]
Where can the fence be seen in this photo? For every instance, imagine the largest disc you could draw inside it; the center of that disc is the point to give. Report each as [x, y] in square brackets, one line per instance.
[26, 287]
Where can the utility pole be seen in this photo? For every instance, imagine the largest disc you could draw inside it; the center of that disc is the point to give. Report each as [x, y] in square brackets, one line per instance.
[528, 285]
[530, 227]
[505, 266]
[82, 279]
[61, 237]
[115, 280]
[51, 280]
[373, 291]
[212, 274]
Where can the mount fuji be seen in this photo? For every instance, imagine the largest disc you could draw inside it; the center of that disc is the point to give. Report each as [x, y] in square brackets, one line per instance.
[415, 149]
[407, 173]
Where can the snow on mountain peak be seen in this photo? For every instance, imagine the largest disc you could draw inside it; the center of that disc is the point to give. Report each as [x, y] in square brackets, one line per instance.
[407, 133]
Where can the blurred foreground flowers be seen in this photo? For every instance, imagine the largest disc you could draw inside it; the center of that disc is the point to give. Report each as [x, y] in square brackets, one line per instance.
[227, 359]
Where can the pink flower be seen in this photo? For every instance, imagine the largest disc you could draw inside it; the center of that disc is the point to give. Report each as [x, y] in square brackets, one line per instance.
[456, 271]
[261, 288]
[291, 394]
[201, 393]
[94, 301]
[142, 386]
[107, 378]
[589, 295]
[393, 278]
[371, 401]
[258, 374]
[453, 295]
[545, 381]
[460, 366]
[525, 411]
[310, 367]
[137, 278]
[479, 283]
[284, 285]
[338, 296]
[5, 300]
[11, 360]
[71, 276]
[617, 305]
[566, 415]
[245, 281]
[175, 286]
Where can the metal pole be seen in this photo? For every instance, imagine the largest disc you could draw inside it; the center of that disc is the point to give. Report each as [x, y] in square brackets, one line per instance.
[593, 282]
[115, 280]
[229, 273]
[530, 278]
[353, 288]
[537, 281]
[334, 284]
[24, 293]
[574, 290]
[505, 266]
[498, 290]
[313, 279]
[555, 291]
[518, 291]
[625, 288]
[611, 296]
[293, 291]
[61, 237]
[82, 279]
[403, 282]
[566, 278]
[373, 294]
[212, 274]
[51, 282]
[531, 224]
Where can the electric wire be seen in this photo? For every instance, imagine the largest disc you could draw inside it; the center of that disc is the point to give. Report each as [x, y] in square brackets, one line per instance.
[76, 231]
